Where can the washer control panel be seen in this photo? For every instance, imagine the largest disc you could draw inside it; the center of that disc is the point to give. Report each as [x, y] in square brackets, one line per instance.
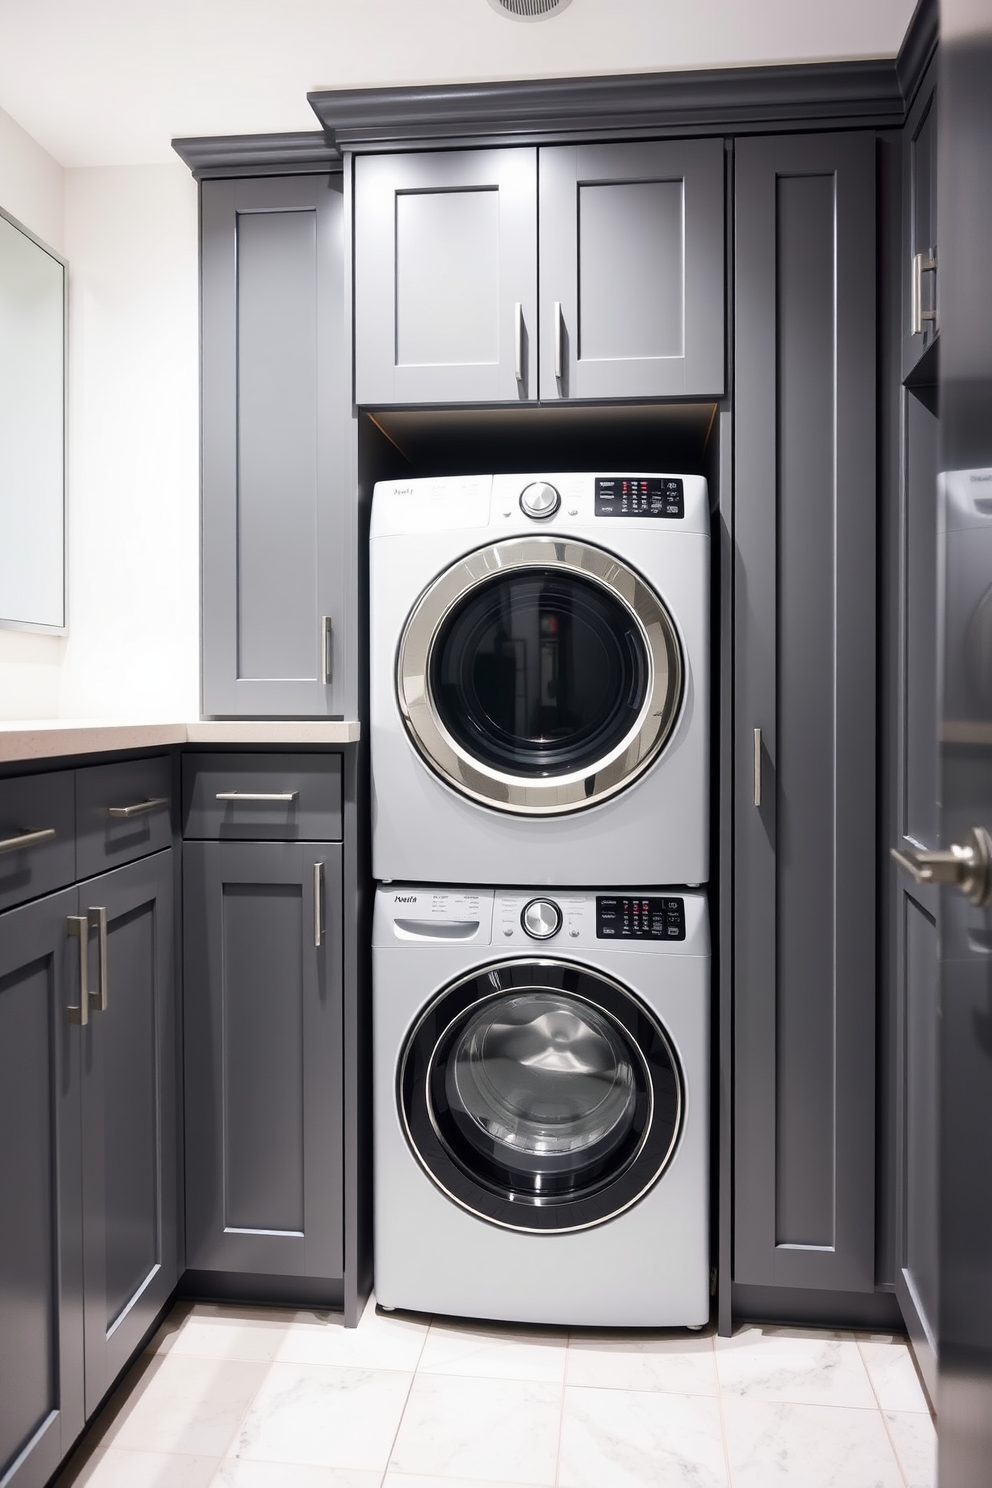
[520, 919]
[654, 917]
[640, 496]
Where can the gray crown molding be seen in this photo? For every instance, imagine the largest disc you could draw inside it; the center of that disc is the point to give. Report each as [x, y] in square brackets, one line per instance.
[305, 153]
[918, 48]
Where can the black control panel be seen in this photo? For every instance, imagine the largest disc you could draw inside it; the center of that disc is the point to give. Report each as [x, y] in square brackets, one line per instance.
[656, 917]
[639, 496]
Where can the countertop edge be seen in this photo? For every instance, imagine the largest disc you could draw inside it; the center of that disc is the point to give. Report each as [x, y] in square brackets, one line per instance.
[54, 738]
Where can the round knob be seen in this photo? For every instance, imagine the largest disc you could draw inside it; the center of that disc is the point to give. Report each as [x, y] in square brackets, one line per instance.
[541, 919]
[539, 500]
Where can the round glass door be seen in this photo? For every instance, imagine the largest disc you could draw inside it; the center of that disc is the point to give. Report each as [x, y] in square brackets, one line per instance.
[541, 1095]
[539, 676]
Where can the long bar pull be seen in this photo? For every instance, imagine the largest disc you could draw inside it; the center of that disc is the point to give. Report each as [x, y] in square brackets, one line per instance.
[257, 795]
[757, 767]
[26, 838]
[325, 650]
[151, 803]
[78, 925]
[559, 338]
[318, 903]
[96, 919]
[923, 263]
[518, 341]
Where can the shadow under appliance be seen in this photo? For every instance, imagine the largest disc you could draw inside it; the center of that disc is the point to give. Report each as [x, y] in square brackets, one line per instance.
[540, 679]
[541, 1104]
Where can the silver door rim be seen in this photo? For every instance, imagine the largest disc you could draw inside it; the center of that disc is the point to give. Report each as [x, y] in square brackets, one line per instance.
[553, 794]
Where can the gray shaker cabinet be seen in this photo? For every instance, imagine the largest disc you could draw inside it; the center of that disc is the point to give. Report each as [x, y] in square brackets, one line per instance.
[920, 259]
[805, 821]
[263, 1034]
[277, 521]
[589, 271]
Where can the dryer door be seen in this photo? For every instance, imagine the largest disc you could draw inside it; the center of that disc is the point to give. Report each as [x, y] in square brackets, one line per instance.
[541, 1095]
[539, 676]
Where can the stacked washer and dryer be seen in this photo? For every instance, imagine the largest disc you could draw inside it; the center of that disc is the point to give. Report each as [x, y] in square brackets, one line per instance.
[541, 952]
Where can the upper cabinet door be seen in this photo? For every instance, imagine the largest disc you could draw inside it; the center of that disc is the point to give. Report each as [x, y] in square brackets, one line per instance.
[920, 269]
[276, 522]
[631, 266]
[446, 277]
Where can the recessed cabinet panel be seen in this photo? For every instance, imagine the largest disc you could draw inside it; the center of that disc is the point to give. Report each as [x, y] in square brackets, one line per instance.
[626, 308]
[447, 278]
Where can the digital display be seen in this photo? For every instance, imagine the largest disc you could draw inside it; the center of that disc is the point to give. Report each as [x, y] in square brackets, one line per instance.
[655, 917]
[640, 496]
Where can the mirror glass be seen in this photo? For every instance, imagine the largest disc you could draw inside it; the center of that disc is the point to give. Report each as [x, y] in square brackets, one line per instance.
[32, 432]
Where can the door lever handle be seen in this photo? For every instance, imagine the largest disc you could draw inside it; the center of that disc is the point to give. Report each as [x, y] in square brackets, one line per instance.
[966, 866]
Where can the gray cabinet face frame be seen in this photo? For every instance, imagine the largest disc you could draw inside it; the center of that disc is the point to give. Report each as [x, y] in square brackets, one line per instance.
[34, 292]
[805, 675]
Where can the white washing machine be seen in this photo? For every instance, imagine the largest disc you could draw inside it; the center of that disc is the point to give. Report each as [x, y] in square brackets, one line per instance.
[540, 679]
[541, 1104]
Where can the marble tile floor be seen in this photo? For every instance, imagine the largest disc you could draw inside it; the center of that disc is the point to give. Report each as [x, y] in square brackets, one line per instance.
[228, 1397]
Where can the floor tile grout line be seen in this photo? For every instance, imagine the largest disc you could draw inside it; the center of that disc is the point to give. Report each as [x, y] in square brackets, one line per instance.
[723, 1418]
[885, 1421]
[406, 1402]
[561, 1412]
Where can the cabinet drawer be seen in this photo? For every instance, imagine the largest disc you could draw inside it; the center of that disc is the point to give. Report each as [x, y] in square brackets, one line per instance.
[32, 804]
[281, 797]
[123, 811]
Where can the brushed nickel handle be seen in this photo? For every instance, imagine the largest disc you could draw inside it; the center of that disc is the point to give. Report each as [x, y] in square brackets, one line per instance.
[27, 838]
[96, 919]
[518, 341]
[318, 913]
[966, 866]
[923, 263]
[285, 796]
[559, 338]
[325, 650]
[78, 925]
[150, 803]
[757, 767]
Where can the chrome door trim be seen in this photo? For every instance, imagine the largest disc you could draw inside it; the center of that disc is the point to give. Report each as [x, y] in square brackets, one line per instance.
[554, 794]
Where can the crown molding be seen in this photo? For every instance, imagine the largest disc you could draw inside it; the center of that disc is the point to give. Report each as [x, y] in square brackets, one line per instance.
[918, 48]
[305, 153]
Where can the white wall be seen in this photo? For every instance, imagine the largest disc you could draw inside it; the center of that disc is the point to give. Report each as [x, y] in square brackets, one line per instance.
[131, 243]
[31, 189]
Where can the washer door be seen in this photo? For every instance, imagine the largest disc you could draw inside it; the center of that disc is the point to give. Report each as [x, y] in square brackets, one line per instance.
[539, 676]
[541, 1095]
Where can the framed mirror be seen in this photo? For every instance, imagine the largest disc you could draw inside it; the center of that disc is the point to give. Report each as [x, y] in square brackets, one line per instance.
[32, 431]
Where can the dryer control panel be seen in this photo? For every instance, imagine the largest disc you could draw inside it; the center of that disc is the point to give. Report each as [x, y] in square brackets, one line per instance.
[627, 917]
[640, 496]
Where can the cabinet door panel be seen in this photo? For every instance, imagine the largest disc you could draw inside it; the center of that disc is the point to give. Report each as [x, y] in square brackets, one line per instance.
[263, 1059]
[631, 246]
[41, 1337]
[920, 225]
[274, 407]
[129, 1118]
[445, 250]
[805, 581]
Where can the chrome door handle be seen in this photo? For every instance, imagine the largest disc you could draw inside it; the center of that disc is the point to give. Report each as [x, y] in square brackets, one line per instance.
[757, 767]
[96, 919]
[318, 917]
[285, 796]
[325, 650]
[151, 803]
[923, 263]
[518, 341]
[559, 337]
[966, 866]
[78, 926]
[27, 838]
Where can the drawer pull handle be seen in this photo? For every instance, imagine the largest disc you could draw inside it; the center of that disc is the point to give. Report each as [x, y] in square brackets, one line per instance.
[152, 803]
[78, 925]
[96, 919]
[318, 916]
[27, 838]
[285, 796]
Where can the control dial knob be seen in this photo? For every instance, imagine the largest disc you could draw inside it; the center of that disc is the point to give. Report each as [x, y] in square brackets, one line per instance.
[539, 500]
[541, 919]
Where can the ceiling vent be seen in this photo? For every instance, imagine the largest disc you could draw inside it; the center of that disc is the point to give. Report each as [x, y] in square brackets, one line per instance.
[529, 10]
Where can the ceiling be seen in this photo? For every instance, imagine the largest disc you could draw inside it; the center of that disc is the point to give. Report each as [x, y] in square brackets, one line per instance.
[110, 82]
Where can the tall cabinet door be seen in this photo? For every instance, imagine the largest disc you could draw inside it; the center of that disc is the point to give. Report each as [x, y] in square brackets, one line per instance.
[262, 1021]
[631, 270]
[41, 1335]
[277, 617]
[805, 839]
[128, 1113]
[446, 277]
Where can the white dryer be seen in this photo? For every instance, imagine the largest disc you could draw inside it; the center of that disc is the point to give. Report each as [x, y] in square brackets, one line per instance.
[540, 679]
[541, 1105]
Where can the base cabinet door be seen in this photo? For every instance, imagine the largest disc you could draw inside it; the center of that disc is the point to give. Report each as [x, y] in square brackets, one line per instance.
[41, 1336]
[128, 1117]
[263, 1030]
[805, 820]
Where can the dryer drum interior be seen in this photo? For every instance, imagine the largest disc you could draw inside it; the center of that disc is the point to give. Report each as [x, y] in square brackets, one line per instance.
[541, 1095]
[539, 675]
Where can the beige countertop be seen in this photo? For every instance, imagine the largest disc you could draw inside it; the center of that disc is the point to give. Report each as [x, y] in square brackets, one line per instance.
[49, 738]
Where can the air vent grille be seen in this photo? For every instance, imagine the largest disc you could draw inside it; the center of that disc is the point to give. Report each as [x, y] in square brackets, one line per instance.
[529, 10]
